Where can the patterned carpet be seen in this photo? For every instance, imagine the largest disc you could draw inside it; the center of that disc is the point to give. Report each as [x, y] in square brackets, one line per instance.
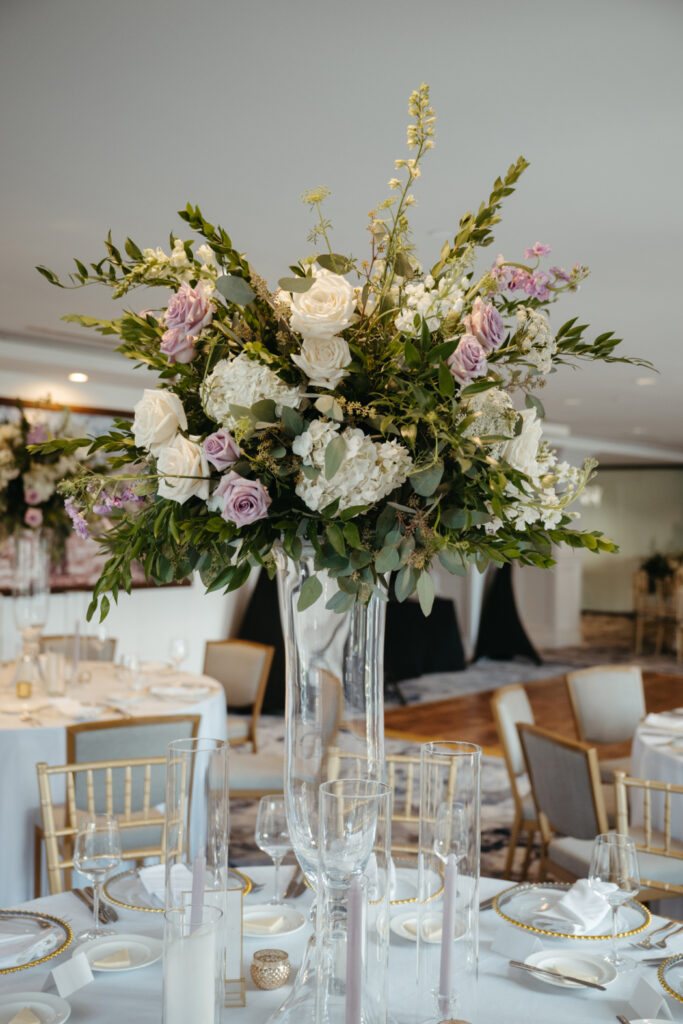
[606, 640]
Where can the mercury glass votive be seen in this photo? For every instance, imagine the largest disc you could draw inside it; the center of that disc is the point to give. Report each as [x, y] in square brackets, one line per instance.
[270, 968]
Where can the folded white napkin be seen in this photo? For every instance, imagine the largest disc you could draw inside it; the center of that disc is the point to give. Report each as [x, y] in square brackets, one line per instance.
[71, 708]
[664, 720]
[580, 911]
[264, 925]
[18, 948]
[430, 929]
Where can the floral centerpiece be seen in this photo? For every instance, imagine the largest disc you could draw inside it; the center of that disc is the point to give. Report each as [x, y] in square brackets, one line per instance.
[386, 413]
[29, 478]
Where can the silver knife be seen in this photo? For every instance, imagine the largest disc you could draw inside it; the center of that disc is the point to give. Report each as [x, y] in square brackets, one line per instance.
[106, 913]
[296, 884]
[556, 975]
[84, 897]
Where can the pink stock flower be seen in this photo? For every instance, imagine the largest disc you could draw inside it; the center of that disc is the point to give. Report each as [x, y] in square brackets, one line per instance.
[243, 501]
[468, 361]
[537, 250]
[486, 324]
[560, 274]
[37, 435]
[221, 449]
[33, 517]
[188, 312]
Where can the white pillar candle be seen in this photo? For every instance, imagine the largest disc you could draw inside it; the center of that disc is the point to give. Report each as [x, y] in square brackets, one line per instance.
[447, 932]
[190, 978]
[354, 951]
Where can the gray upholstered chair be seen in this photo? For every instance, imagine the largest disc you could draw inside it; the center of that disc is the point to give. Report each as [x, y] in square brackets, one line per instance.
[570, 801]
[242, 668]
[608, 702]
[660, 856]
[90, 648]
[510, 705]
[255, 775]
[117, 741]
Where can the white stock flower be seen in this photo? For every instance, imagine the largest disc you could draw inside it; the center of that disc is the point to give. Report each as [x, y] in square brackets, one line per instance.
[522, 451]
[178, 258]
[159, 415]
[243, 381]
[535, 338]
[431, 303]
[323, 361]
[183, 471]
[326, 308]
[369, 471]
[205, 254]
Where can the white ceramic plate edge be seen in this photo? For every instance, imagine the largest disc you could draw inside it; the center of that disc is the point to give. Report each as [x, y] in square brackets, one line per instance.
[62, 1008]
[536, 959]
[122, 941]
[296, 920]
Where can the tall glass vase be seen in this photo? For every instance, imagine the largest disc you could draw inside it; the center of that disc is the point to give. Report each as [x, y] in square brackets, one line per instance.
[30, 592]
[334, 714]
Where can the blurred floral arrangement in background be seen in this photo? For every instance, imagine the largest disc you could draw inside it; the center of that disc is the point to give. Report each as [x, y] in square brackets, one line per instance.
[384, 413]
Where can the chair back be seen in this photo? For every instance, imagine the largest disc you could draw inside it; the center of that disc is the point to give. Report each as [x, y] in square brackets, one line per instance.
[608, 702]
[90, 648]
[565, 782]
[241, 667]
[510, 705]
[665, 800]
[132, 778]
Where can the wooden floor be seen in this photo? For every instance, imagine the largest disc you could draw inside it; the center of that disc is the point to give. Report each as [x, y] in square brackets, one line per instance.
[469, 717]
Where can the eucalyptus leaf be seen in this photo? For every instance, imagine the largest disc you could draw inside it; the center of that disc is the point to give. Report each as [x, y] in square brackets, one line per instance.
[296, 284]
[446, 381]
[336, 538]
[426, 481]
[405, 583]
[291, 421]
[311, 589]
[235, 289]
[452, 562]
[264, 410]
[425, 592]
[334, 455]
[340, 602]
[334, 262]
[388, 560]
[532, 402]
[454, 518]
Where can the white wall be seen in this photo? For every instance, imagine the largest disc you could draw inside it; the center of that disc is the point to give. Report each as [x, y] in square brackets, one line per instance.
[642, 512]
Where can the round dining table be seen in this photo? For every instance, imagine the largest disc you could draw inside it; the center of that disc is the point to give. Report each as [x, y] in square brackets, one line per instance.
[34, 730]
[505, 995]
[657, 754]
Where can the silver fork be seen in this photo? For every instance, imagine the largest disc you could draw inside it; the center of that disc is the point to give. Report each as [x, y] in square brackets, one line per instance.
[646, 943]
[661, 943]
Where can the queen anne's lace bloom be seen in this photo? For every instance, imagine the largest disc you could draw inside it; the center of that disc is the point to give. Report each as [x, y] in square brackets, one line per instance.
[243, 381]
[369, 471]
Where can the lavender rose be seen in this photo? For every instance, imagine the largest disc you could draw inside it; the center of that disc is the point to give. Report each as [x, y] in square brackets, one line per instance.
[486, 324]
[33, 517]
[468, 361]
[221, 449]
[240, 501]
[37, 434]
[188, 312]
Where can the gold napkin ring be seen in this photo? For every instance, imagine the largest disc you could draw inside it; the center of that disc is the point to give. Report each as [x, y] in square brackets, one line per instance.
[270, 968]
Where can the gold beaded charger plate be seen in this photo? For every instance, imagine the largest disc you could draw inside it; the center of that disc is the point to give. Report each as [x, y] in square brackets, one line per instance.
[404, 890]
[670, 975]
[521, 905]
[127, 890]
[28, 938]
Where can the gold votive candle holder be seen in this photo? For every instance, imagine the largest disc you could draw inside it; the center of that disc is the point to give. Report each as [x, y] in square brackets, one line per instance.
[270, 968]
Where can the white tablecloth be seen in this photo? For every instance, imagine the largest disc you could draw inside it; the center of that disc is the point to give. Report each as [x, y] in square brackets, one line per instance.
[23, 744]
[506, 996]
[654, 757]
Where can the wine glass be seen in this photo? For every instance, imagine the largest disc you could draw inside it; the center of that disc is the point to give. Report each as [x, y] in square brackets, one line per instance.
[130, 664]
[96, 851]
[615, 875]
[272, 836]
[177, 651]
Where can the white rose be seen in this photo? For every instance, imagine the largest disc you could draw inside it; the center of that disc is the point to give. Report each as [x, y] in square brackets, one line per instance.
[522, 452]
[323, 361]
[326, 308]
[184, 470]
[159, 415]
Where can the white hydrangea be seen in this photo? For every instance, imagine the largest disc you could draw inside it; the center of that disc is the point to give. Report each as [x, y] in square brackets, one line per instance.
[8, 467]
[369, 470]
[243, 381]
[535, 338]
[431, 303]
[554, 486]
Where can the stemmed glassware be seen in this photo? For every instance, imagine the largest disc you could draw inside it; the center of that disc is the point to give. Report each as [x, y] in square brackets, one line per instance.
[30, 590]
[177, 651]
[272, 836]
[97, 851]
[614, 873]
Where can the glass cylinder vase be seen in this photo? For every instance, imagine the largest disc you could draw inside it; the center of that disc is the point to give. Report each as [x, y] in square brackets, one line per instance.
[334, 720]
[30, 592]
[448, 881]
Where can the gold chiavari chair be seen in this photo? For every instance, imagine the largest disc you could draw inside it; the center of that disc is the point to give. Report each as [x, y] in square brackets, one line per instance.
[242, 668]
[660, 856]
[122, 788]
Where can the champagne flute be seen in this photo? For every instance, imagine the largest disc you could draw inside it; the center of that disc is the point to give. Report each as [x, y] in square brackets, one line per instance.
[615, 875]
[272, 836]
[96, 851]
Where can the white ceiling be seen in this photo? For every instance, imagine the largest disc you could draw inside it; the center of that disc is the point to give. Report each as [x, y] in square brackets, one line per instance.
[115, 114]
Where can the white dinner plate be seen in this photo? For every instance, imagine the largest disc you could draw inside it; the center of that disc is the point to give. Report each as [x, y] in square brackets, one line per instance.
[142, 950]
[260, 921]
[50, 1008]
[181, 691]
[405, 926]
[405, 887]
[587, 966]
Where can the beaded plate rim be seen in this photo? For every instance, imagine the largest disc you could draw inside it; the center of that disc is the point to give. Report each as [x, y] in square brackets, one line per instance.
[678, 958]
[248, 885]
[43, 917]
[563, 935]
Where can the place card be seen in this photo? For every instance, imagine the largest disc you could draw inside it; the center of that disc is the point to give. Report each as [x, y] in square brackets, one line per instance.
[648, 1001]
[69, 976]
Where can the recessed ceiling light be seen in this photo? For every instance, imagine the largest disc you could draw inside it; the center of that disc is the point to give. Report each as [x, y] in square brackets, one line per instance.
[646, 382]
[78, 378]
[573, 401]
